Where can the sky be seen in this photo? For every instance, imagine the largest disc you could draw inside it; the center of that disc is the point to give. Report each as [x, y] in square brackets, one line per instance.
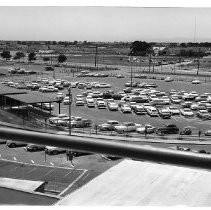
[105, 24]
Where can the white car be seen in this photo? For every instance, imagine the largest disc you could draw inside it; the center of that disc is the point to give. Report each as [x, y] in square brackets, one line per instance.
[48, 106]
[58, 117]
[169, 79]
[112, 106]
[125, 108]
[126, 127]
[102, 85]
[60, 96]
[43, 89]
[174, 110]
[175, 99]
[66, 100]
[79, 102]
[101, 104]
[90, 103]
[152, 111]
[146, 128]
[186, 112]
[196, 82]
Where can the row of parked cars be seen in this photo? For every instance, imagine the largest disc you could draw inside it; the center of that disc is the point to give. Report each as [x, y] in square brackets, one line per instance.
[50, 150]
[147, 101]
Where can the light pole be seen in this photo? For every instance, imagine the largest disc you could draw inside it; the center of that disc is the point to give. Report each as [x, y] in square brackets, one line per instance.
[70, 103]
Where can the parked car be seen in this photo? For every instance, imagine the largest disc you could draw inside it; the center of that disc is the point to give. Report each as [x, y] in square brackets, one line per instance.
[126, 108]
[203, 114]
[186, 131]
[174, 110]
[54, 150]
[152, 111]
[90, 103]
[164, 113]
[126, 127]
[108, 126]
[13, 144]
[139, 110]
[59, 96]
[169, 79]
[112, 106]
[34, 147]
[196, 81]
[208, 132]
[146, 128]
[48, 106]
[168, 129]
[80, 102]
[101, 104]
[81, 123]
[186, 112]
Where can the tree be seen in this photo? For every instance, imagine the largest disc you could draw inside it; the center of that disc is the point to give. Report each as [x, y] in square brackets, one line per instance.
[62, 58]
[32, 56]
[46, 59]
[19, 55]
[139, 48]
[6, 54]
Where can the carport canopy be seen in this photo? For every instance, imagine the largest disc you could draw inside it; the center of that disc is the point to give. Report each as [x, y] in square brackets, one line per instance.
[4, 90]
[31, 98]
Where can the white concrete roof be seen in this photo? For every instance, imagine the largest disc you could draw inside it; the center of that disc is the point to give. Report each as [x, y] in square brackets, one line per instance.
[145, 184]
[20, 184]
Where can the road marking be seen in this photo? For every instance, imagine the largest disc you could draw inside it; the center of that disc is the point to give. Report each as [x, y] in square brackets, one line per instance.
[73, 183]
[68, 173]
[34, 169]
[32, 161]
[14, 158]
[49, 172]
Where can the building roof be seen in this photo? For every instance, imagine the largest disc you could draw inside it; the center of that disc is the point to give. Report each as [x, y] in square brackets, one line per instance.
[4, 90]
[32, 98]
[145, 184]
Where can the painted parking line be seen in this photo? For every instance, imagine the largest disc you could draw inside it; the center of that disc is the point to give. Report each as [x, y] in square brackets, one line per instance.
[79, 177]
[49, 172]
[34, 169]
[68, 173]
[47, 166]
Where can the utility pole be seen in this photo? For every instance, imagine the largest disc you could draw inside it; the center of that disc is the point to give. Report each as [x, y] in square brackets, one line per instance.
[198, 62]
[70, 103]
[131, 73]
[149, 61]
[96, 58]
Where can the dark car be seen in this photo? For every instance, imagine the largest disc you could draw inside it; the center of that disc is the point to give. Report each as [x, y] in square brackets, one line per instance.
[34, 147]
[13, 144]
[168, 129]
[49, 68]
[128, 90]
[117, 96]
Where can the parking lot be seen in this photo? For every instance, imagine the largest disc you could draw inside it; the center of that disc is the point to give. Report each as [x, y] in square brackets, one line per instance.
[99, 116]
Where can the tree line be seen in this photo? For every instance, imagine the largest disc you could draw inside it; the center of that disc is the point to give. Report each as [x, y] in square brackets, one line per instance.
[31, 56]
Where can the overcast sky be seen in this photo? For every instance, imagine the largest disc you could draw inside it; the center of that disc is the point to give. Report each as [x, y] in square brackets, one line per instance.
[104, 23]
